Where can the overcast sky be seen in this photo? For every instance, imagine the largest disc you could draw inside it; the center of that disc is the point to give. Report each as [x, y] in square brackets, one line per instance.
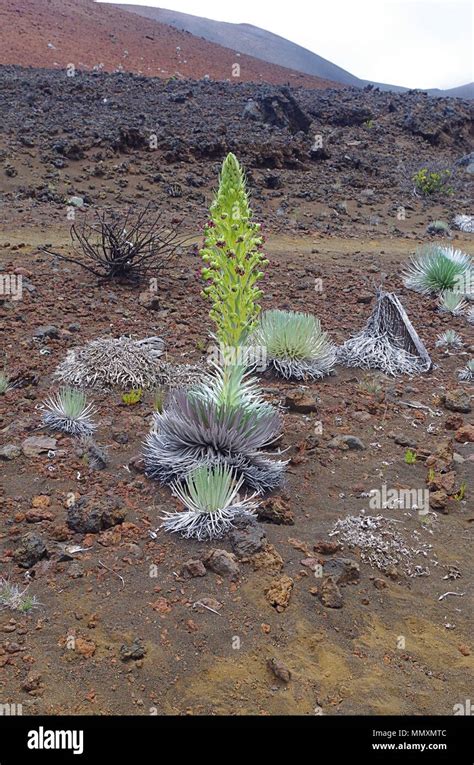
[418, 44]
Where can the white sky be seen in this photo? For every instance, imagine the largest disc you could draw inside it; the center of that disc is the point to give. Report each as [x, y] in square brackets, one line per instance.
[418, 44]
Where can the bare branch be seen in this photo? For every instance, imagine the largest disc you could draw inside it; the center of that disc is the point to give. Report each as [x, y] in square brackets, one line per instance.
[125, 247]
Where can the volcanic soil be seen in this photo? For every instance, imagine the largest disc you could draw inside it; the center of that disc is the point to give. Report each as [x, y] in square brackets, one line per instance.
[122, 626]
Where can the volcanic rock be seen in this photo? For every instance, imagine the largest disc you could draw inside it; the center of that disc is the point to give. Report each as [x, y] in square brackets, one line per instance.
[275, 510]
[192, 568]
[223, 563]
[91, 520]
[246, 538]
[330, 594]
[465, 434]
[9, 452]
[346, 442]
[133, 651]
[279, 593]
[279, 669]
[36, 445]
[342, 570]
[301, 403]
[31, 549]
[457, 401]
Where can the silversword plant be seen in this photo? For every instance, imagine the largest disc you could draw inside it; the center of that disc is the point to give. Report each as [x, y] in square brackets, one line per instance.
[451, 302]
[69, 412]
[438, 227]
[234, 259]
[223, 421]
[109, 362]
[450, 339]
[436, 269]
[466, 374]
[388, 341]
[464, 223]
[211, 498]
[296, 347]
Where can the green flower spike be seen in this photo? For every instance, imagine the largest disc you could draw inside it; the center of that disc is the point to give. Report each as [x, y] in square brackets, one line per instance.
[233, 258]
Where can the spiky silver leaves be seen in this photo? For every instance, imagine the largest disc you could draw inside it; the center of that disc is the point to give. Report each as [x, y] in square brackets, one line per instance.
[69, 412]
[450, 338]
[464, 223]
[388, 341]
[466, 374]
[224, 422]
[438, 268]
[451, 302]
[232, 387]
[211, 498]
[190, 433]
[294, 345]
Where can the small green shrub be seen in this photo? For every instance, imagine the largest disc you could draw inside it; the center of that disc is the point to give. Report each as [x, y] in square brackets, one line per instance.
[429, 182]
[27, 604]
[200, 345]
[410, 457]
[132, 397]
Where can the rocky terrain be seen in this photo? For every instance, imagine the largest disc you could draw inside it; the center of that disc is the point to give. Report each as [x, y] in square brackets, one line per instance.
[316, 160]
[130, 620]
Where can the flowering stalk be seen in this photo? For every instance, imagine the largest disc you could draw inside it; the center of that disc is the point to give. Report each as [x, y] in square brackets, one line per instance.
[233, 256]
